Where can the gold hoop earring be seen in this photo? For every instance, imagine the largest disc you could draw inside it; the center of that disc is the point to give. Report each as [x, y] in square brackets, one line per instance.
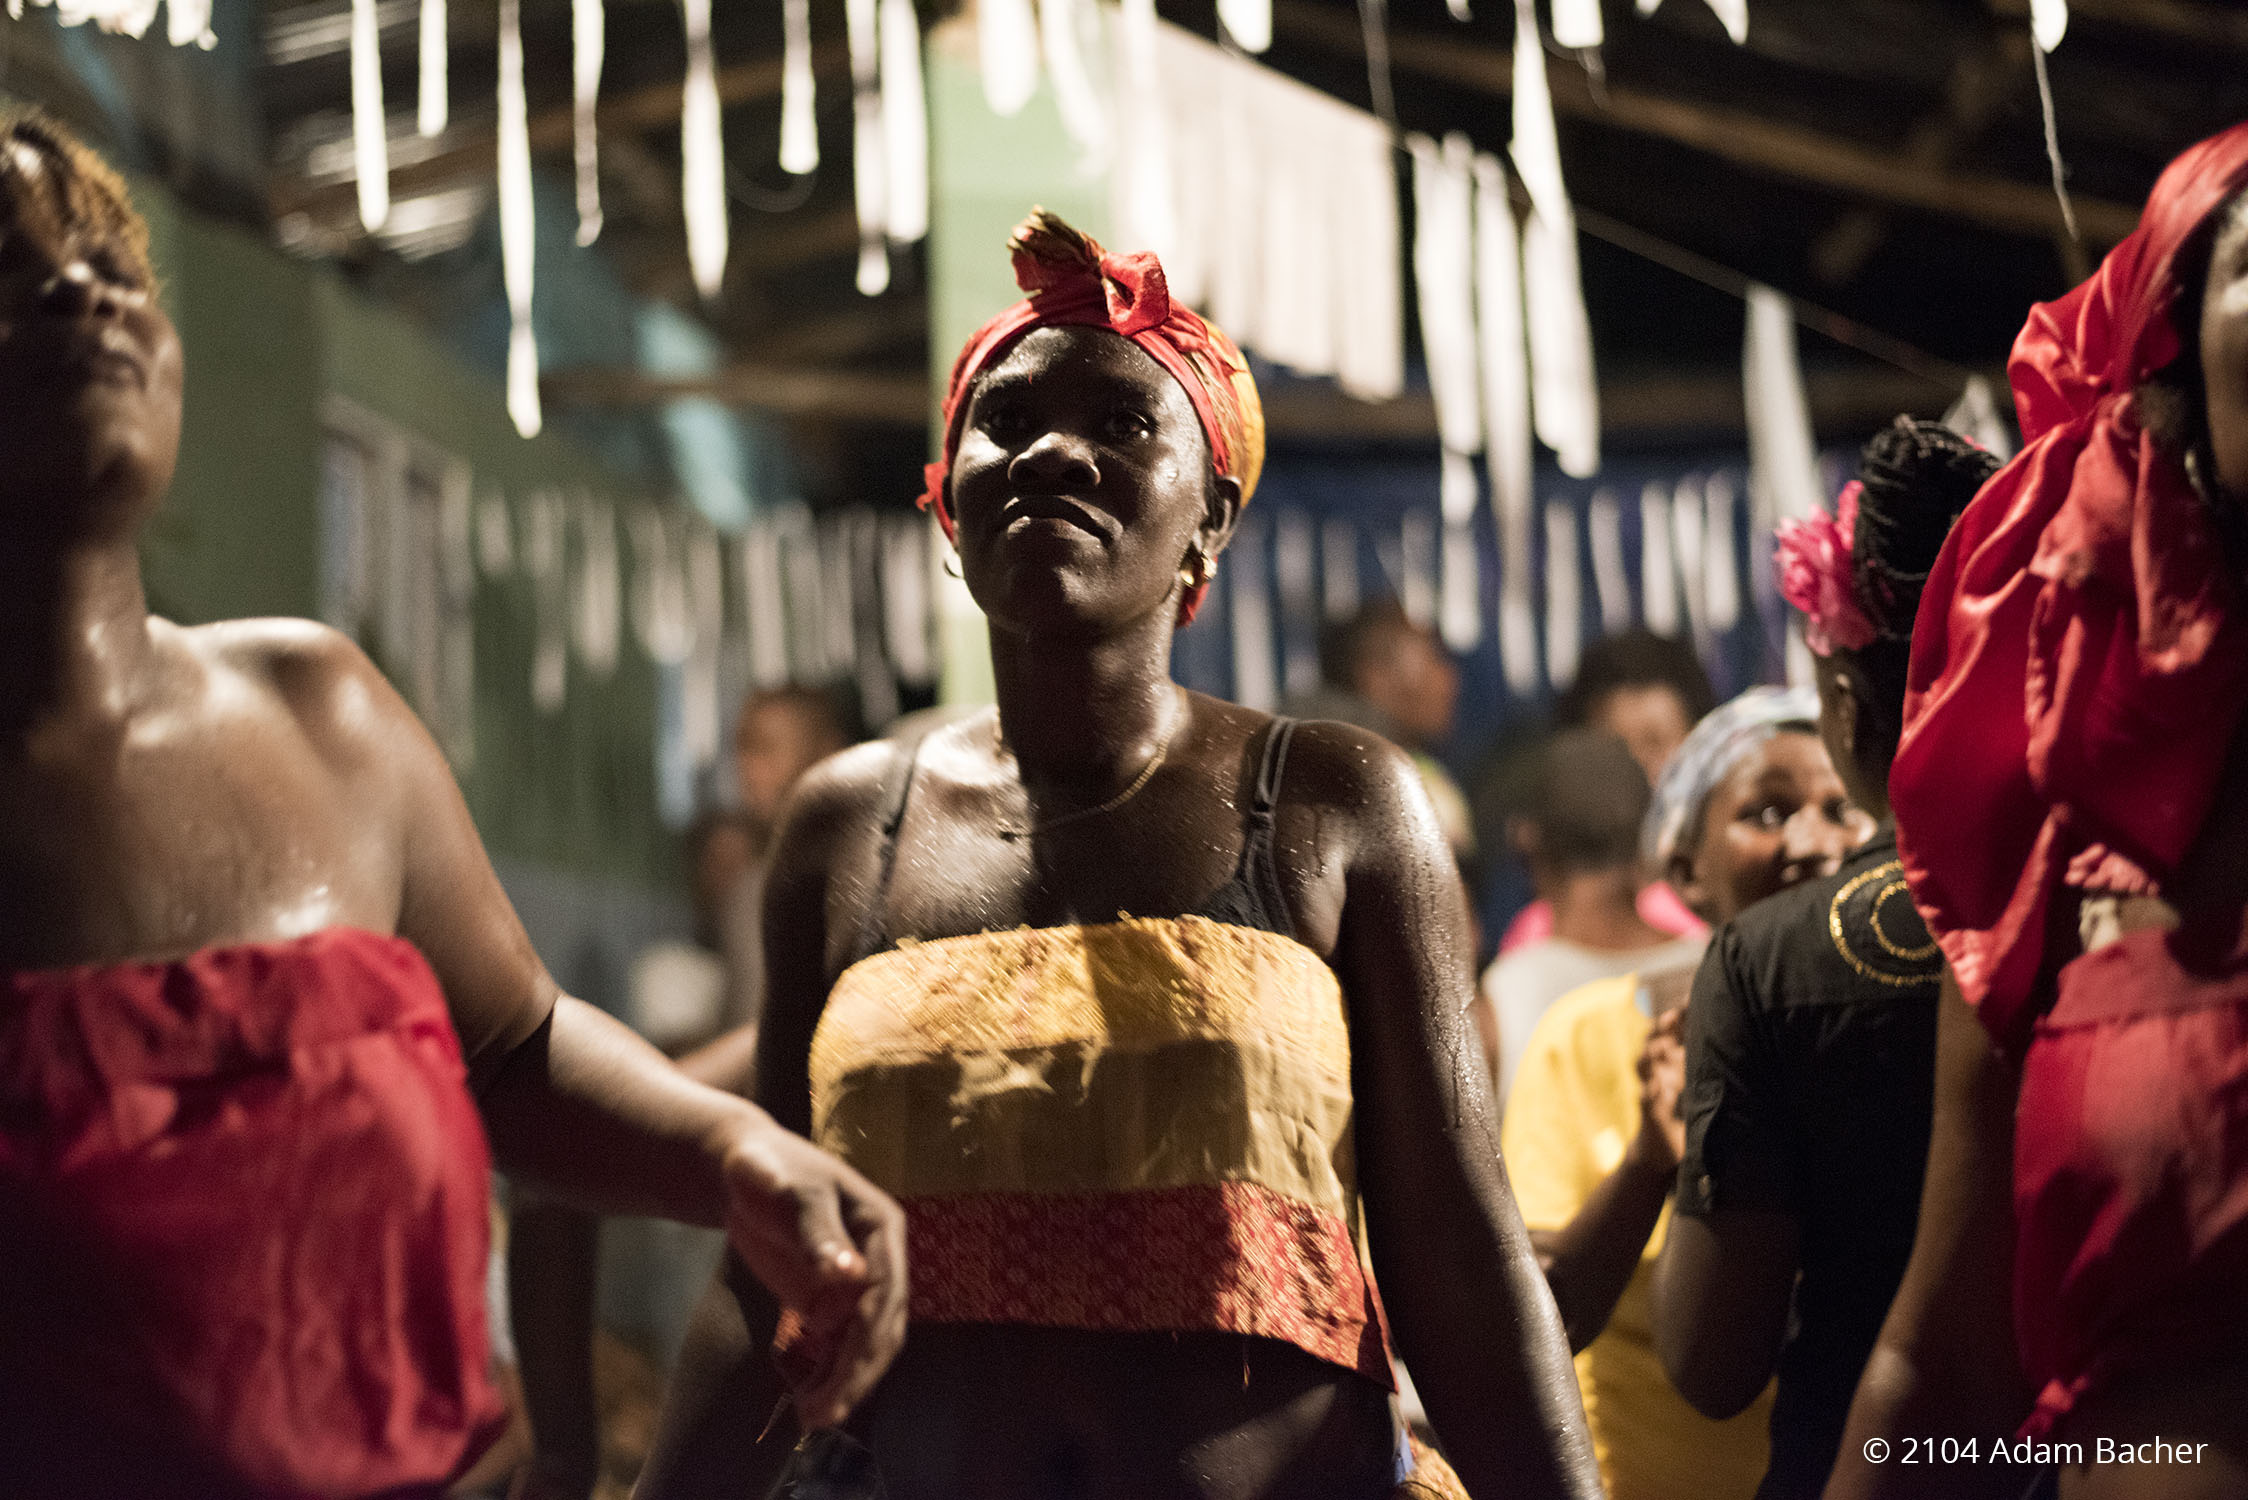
[951, 566]
[1196, 572]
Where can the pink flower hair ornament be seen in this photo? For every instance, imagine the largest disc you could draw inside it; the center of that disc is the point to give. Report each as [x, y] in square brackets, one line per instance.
[1816, 574]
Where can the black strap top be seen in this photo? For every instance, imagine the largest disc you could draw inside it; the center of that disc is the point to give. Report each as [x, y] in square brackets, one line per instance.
[1252, 897]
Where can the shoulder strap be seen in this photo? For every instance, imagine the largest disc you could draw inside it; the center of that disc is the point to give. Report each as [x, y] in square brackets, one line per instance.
[1272, 766]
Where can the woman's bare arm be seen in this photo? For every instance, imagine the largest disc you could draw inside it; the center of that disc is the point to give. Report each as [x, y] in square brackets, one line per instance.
[1472, 1314]
[1945, 1365]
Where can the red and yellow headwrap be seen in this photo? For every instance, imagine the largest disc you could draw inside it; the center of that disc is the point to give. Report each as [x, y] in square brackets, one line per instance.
[1071, 280]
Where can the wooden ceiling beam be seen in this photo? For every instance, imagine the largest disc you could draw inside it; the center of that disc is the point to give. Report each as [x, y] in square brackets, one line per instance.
[1734, 135]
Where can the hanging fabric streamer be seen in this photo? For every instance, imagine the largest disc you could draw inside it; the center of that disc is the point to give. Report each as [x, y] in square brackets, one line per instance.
[589, 38]
[1686, 540]
[702, 155]
[1732, 14]
[1564, 600]
[906, 598]
[1007, 47]
[1459, 10]
[188, 23]
[905, 125]
[1576, 24]
[495, 535]
[1721, 569]
[1151, 209]
[2048, 23]
[1295, 569]
[1976, 414]
[1505, 366]
[1611, 581]
[435, 106]
[1255, 685]
[764, 601]
[1459, 601]
[800, 130]
[1565, 396]
[663, 617]
[1658, 571]
[1248, 22]
[1083, 114]
[1443, 276]
[838, 594]
[1416, 567]
[1783, 457]
[518, 226]
[597, 602]
[550, 613]
[370, 131]
[701, 716]
[870, 177]
[1338, 570]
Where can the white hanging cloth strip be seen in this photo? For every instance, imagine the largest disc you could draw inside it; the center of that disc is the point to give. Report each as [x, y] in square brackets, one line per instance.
[1732, 14]
[800, 567]
[1338, 570]
[1255, 684]
[589, 39]
[838, 610]
[188, 23]
[1007, 47]
[1975, 414]
[1459, 591]
[1459, 10]
[435, 107]
[905, 125]
[495, 536]
[1721, 568]
[764, 600]
[1564, 599]
[702, 155]
[1296, 570]
[1658, 570]
[1416, 567]
[1443, 276]
[1611, 581]
[1248, 22]
[597, 602]
[1149, 211]
[1084, 116]
[1565, 395]
[800, 129]
[907, 603]
[518, 226]
[1505, 369]
[120, 17]
[550, 613]
[1576, 24]
[2048, 21]
[701, 717]
[870, 178]
[1783, 456]
[370, 131]
[1687, 545]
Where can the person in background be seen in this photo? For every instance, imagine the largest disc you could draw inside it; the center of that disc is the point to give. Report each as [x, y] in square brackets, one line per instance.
[1747, 807]
[1811, 1040]
[267, 1017]
[1380, 671]
[1580, 838]
[2071, 795]
[1649, 691]
[681, 994]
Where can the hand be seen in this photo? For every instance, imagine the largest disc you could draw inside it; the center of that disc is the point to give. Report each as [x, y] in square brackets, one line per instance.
[1662, 1080]
[831, 1247]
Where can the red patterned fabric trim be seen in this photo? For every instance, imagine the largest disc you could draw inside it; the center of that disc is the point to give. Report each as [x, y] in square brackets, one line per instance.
[1231, 1257]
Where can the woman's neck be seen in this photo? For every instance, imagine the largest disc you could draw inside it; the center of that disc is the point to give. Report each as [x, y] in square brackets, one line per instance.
[1599, 909]
[1080, 715]
[75, 620]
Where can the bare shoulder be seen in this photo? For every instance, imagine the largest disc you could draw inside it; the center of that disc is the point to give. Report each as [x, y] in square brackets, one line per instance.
[1350, 769]
[316, 675]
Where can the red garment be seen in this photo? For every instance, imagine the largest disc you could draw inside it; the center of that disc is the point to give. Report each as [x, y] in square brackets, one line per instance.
[2078, 665]
[1072, 281]
[244, 1204]
[2131, 1172]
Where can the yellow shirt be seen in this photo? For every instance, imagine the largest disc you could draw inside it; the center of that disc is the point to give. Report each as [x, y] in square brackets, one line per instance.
[1573, 1109]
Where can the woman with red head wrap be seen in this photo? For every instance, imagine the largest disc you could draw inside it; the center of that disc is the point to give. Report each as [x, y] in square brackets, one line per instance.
[1150, 1008]
[2071, 794]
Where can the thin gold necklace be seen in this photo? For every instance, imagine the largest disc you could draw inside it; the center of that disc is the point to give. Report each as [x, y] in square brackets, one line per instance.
[1147, 773]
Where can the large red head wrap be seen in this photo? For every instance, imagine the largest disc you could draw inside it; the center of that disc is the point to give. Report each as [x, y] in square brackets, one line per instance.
[1072, 280]
[2080, 658]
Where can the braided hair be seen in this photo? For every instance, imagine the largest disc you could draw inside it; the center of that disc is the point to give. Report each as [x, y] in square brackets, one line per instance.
[1915, 477]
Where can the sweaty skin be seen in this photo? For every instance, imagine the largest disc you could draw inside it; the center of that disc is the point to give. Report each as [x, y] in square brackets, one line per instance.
[1081, 481]
[165, 790]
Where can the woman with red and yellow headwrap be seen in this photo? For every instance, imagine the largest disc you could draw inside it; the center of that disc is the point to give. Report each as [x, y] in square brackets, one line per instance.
[2071, 797]
[1148, 1008]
